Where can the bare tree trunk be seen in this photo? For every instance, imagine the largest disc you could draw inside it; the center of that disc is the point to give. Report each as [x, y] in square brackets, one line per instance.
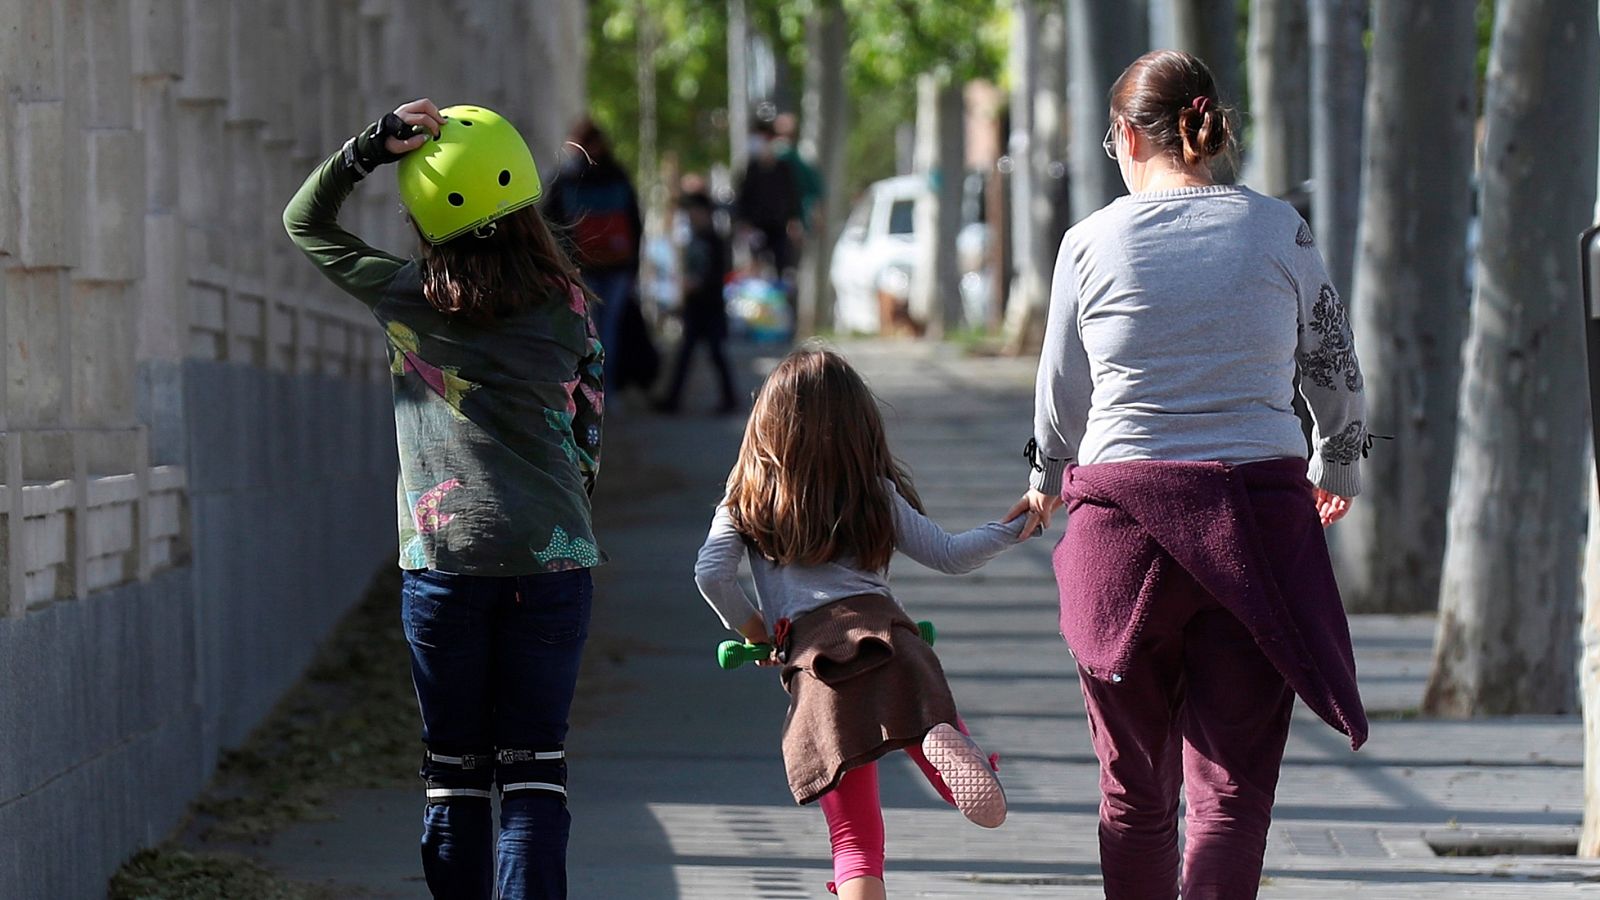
[1037, 145]
[1412, 299]
[738, 87]
[1103, 37]
[1589, 666]
[1279, 159]
[1509, 604]
[1589, 677]
[648, 36]
[1209, 29]
[1338, 86]
[940, 158]
[824, 127]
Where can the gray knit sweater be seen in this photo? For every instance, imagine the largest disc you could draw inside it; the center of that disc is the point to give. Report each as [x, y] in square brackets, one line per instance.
[1177, 321]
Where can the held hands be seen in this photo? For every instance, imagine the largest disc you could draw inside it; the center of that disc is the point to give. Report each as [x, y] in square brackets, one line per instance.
[1039, 507]
[1330, 507]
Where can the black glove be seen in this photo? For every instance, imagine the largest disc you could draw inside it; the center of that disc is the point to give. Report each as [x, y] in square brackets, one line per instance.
[366, 151]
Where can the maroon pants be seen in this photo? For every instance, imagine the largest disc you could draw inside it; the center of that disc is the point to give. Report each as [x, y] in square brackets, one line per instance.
[1201, 706]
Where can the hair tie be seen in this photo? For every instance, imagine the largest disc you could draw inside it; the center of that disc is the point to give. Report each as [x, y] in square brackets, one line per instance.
[1200, 103]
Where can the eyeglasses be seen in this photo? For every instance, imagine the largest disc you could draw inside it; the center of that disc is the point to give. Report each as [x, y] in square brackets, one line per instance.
[1110, 142]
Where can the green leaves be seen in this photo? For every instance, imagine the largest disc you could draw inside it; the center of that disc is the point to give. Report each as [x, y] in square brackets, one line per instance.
[891, 42]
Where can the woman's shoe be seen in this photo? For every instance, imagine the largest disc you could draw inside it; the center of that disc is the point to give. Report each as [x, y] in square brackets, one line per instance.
[968, 775]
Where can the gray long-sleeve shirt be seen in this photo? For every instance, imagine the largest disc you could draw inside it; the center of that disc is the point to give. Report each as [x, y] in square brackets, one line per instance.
[1177, 321]
[787, 592]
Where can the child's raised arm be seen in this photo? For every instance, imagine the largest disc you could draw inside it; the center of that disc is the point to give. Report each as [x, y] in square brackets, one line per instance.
[716, 573]
[922, 539]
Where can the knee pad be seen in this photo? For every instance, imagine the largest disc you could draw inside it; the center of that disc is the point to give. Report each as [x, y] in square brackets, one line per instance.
[523, 770]
[453, 775]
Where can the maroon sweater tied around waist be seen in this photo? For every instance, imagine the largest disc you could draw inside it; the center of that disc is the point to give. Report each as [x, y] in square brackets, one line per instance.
[1248, 534]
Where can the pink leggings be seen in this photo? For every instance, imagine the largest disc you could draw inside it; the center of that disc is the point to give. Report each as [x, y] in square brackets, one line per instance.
[855, 818]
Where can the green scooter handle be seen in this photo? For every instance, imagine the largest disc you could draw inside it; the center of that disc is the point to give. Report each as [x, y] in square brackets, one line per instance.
[733, 654]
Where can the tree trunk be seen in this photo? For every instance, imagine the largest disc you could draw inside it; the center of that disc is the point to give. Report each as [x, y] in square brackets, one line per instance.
[738, 87]
[1209, 29]
[1037, 145]
[1509, 604]
[940, 158]
[1412, 299]
[1279, 160]
[1589, 677]
[1589, 667]
[825, 128]
[648, 37]
[1103, 37]
[1338, 85]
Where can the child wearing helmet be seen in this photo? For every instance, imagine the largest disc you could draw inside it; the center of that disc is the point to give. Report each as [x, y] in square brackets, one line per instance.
[498, 397]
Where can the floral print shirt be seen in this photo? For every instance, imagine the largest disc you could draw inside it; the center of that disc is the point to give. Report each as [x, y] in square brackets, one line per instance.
[498, 424]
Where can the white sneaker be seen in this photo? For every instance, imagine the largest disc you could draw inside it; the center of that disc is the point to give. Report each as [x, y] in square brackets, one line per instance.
[968, 775]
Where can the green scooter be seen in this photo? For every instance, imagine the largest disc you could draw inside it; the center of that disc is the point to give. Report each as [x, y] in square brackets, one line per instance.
[733, 654]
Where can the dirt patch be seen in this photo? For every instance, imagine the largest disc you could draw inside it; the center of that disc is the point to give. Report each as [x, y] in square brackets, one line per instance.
[168, 873]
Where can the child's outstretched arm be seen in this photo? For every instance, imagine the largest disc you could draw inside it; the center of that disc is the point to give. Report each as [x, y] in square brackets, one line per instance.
[716, 573]
[922, 539]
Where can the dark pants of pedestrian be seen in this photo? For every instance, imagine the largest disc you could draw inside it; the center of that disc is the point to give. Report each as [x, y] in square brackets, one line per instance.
[710, 333]
[614, 288]
[495, 663]
[1201, 706]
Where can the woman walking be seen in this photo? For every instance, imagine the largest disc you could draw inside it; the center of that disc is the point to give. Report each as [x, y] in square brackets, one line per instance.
[1196, 590]
[497, 380]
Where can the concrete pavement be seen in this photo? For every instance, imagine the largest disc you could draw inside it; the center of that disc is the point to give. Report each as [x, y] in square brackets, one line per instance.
[678, 790]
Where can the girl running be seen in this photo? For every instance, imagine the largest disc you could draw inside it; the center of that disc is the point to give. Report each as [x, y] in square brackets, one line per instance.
[821, 506]
[497, 401]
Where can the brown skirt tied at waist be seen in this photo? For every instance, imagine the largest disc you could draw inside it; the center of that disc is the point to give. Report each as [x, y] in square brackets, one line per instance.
[862, 684]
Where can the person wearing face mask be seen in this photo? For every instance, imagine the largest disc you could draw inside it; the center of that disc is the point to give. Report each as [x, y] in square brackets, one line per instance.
[768, 206]
[1196, 590]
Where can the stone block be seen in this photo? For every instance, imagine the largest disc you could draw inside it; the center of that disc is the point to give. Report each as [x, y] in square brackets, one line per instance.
[102, 76]
[205, 50]
[113, 189]
[101, 317]
[158, 27]
[8, 197]
[163, 321]
[250, 86]
[36, 348]
[157, 121]
[203, 189]
[39, 146]
[247, 229]
[29, 62]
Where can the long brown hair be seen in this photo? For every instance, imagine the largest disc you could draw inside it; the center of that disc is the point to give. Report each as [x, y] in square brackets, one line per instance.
[510, 265]
[1171, 98]
[809, 484]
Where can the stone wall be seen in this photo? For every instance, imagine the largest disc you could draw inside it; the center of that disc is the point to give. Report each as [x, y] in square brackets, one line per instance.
[196, 448]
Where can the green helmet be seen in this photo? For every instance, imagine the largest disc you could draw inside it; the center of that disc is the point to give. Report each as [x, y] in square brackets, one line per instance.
[476, 171]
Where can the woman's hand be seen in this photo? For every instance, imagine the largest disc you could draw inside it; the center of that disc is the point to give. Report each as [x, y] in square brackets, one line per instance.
[418, 114]
[1330, 507]
[1039, 507]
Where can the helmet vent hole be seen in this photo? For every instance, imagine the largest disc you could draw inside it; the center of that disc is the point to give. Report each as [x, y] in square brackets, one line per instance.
[505, 177]
[466, 122]
[456, 199]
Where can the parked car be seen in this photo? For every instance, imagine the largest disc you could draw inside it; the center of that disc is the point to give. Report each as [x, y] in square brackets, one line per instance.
[876, 255]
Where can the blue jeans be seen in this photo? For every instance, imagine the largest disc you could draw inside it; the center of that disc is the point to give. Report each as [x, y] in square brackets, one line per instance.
[495, 664]
[615, 290]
